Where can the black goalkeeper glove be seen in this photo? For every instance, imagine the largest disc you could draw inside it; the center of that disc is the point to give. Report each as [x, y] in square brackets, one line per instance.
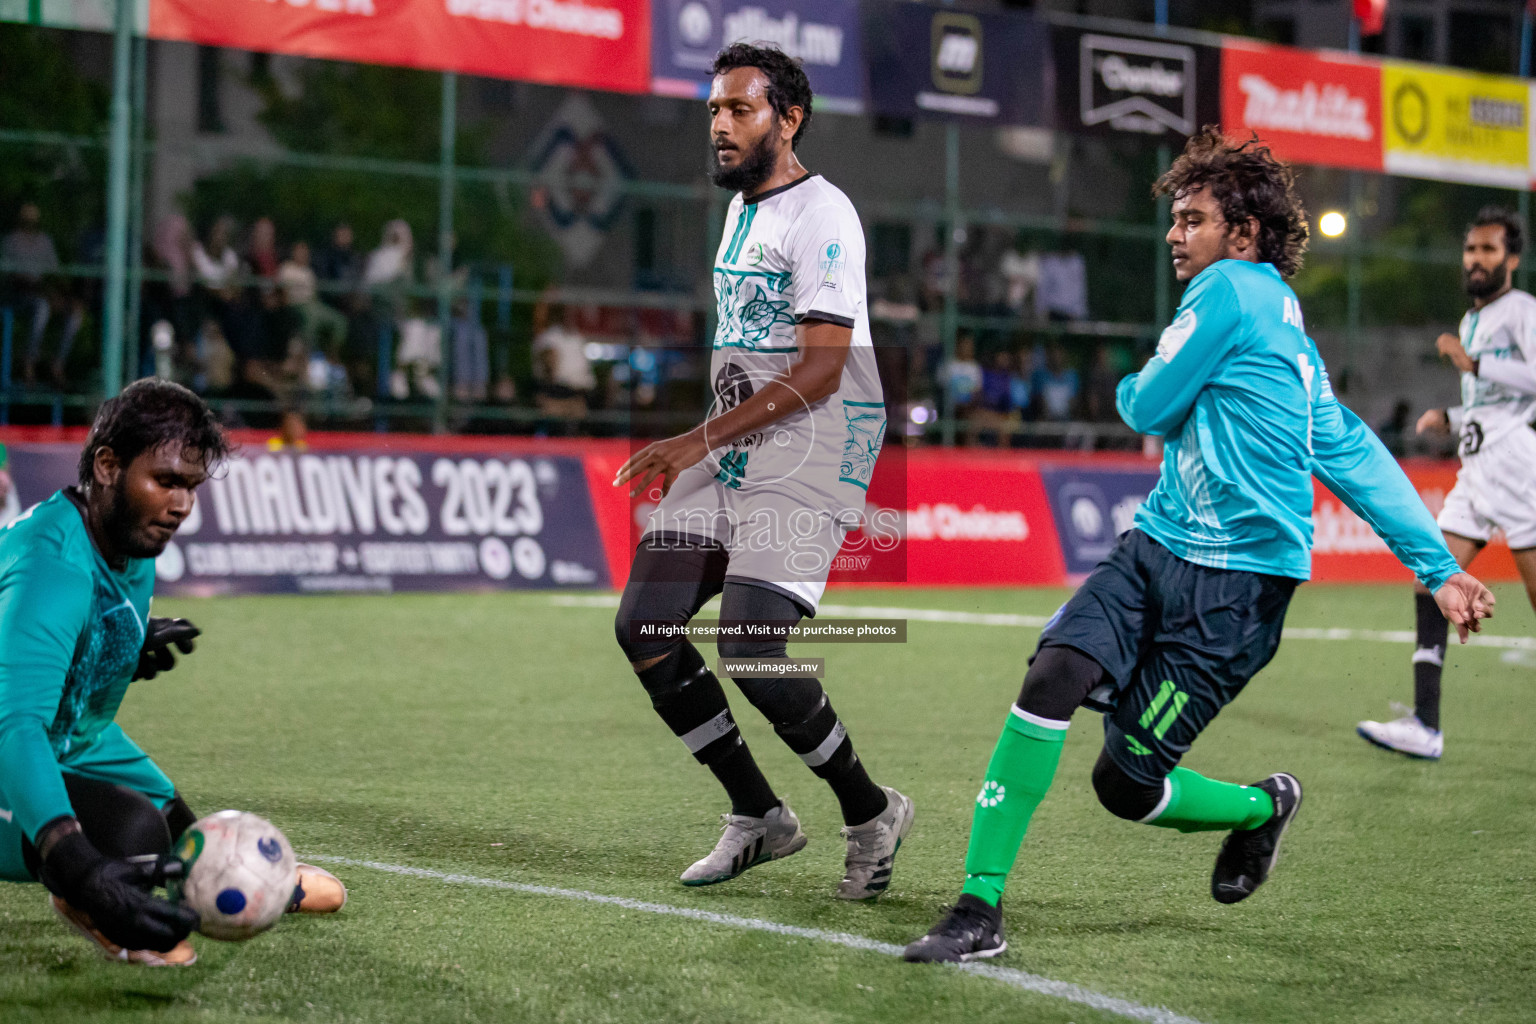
[115, 894]
[157, 656]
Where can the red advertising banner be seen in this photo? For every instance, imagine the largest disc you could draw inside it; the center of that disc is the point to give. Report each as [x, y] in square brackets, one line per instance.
[1310, 107]
[973, 518]
[594, 44]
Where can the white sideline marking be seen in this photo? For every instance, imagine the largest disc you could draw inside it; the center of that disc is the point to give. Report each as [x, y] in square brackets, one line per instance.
[1387, 636]
[1006, 975]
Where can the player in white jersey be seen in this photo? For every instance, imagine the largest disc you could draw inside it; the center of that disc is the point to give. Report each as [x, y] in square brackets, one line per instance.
[1495, 350]
[755, 501]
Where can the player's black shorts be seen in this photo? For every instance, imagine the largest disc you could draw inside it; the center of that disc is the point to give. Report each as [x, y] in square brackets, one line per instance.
[1177, 640]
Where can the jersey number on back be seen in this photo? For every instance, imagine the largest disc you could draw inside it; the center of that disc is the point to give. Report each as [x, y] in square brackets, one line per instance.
[1308, 374]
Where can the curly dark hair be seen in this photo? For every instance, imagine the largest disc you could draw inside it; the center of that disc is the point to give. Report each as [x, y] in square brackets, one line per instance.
[1246, 180]
[1504, 217]
[147, 415]
[787, 84]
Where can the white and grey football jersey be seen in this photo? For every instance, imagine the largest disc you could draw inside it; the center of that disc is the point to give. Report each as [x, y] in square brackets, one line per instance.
[793, 254]
[1501, 333]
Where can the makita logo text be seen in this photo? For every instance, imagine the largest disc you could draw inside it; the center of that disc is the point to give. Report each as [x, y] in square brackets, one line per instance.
[1312, 110]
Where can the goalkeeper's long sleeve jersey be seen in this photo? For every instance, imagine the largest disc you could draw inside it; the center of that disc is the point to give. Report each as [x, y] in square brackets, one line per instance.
[71, 629]
[1240, 396]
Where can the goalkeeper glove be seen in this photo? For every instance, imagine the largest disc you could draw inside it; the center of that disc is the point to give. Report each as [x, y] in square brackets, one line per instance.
[157, 656]
[114, 893]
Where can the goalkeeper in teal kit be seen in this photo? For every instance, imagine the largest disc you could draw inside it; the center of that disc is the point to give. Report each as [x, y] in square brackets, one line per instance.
[1189, 606]
[82, 808]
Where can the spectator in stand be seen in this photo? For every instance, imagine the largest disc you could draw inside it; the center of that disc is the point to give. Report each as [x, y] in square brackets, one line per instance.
[1055, 386]
[994, 410]
[339, 268]
[261, 253]
[1099, 394]
[225, 303]
[170, 299]
[471, 354]
[562, 373]
[322, 329]
[1396, 431]
[31, 262]
[961, 376]
[390, 271]
[418, 355]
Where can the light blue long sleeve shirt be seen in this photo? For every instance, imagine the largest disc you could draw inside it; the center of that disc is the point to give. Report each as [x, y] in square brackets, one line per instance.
[1240, 396]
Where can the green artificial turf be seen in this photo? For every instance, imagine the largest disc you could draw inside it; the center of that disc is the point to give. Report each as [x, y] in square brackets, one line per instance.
[503, 737]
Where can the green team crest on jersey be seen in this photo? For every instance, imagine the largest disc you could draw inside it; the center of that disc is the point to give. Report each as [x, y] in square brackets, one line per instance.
[748, 307]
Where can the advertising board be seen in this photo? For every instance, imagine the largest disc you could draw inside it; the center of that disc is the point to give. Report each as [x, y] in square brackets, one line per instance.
[594, 44]
[1308, 106]
[967, 65]
[359, 520]
[1135, 87]
[823, 35]
[1455, 125]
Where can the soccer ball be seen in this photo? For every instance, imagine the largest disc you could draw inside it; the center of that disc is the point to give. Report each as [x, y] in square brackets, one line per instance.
[239, 874]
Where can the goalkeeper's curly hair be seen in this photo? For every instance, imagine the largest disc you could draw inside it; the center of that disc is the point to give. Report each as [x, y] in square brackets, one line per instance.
[1246, 180]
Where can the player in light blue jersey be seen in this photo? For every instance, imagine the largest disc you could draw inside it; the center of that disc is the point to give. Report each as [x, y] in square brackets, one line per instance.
[1189, 606]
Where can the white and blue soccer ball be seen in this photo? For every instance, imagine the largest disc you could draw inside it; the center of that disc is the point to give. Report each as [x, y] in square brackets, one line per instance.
[239, 874]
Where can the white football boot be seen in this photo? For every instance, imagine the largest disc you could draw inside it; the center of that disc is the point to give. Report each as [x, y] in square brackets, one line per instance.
[1406, 735]
[872, 849]
[748, 842]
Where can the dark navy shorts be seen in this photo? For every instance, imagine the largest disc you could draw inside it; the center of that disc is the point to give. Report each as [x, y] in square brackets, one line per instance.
[1177, 642]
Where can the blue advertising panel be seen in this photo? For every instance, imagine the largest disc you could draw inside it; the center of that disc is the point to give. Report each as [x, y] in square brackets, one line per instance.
[367, 521]
[984, 66]
[1092, 507]
[824, 34]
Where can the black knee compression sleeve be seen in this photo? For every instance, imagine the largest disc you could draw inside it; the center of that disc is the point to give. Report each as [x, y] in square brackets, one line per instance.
[669, 581]
[120, 822]
[1057, 681]
[1122, 795]
[688, 697]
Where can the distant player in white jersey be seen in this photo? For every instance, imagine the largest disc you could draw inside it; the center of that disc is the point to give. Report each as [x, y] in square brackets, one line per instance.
[755, 501]
[1496, 488]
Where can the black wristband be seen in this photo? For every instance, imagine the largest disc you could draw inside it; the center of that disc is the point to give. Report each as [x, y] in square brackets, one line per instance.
[53, 832]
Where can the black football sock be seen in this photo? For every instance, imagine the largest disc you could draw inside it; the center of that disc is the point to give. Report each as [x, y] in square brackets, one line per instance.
[1428, 659]
[823, 744]
[688, 697]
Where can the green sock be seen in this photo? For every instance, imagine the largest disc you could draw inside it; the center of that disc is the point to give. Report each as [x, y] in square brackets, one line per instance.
[1198, 804]
[1022, 766]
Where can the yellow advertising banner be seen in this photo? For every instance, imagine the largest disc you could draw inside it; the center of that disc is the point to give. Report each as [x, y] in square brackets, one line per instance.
[1455, 125]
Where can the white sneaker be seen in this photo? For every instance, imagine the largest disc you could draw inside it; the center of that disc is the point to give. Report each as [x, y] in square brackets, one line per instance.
[1406, 735]
[872, 849]
[746, 843]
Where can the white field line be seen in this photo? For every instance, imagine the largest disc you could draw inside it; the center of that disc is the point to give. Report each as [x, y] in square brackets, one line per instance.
[1006, 975]
[858, 611]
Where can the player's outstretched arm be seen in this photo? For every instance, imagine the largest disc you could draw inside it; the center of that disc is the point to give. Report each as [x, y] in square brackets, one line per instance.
[814, 376]
[1356, 466]
[1464, 602]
